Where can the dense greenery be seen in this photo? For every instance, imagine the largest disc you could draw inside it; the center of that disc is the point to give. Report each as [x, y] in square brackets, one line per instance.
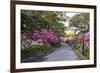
[78, 48]
[35, 49]
[80, 21]
[43, 19]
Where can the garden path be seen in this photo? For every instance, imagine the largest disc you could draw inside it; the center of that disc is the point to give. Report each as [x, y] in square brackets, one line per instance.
[63, 53]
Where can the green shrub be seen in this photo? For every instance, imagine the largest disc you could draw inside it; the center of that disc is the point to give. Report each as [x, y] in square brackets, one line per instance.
[86, 53]
[76, 46]
[35, 49]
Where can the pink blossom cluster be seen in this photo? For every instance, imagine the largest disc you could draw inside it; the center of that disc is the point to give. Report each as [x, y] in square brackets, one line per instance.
[45, 36]
[85, 39]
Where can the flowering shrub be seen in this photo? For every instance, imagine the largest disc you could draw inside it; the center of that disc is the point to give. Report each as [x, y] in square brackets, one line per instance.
[45, 36]
[85, 39]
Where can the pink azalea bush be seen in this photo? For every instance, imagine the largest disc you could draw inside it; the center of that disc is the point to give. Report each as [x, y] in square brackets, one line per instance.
[45, 36]
[86, 39]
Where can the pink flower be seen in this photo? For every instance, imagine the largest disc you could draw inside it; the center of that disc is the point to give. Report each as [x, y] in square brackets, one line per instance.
[86, 39]
[46, 35]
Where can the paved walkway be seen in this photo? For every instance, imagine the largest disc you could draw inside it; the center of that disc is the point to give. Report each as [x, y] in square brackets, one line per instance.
[63, 53]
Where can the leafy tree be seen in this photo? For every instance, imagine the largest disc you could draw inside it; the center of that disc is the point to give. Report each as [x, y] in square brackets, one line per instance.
[80, 21]
[43, 19]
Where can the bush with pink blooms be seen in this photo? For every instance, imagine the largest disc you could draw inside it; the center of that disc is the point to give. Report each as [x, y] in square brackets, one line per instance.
[42, 35]
[85, 37]
[46, 36]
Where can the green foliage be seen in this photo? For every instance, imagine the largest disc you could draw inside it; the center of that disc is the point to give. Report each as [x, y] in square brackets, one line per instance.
[81, 21]
[78, 47]
[42, 19]
[86, 54]
[35, 49]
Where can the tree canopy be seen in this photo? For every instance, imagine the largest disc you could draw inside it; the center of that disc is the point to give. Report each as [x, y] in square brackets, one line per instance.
[43, 19]
[80, 21]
